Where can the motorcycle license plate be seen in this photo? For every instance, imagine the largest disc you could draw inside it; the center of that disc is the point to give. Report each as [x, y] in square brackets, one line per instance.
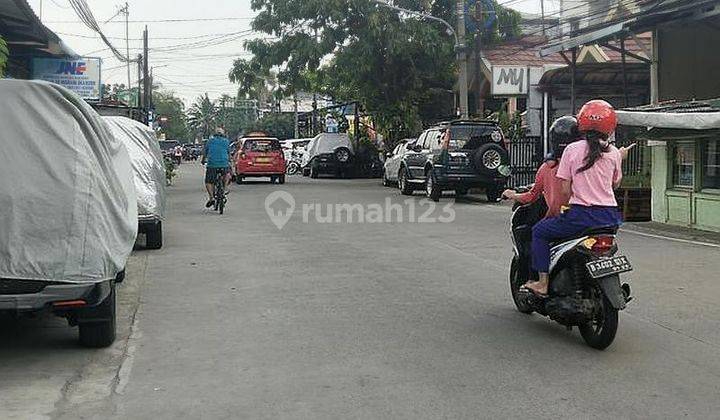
[608, 266]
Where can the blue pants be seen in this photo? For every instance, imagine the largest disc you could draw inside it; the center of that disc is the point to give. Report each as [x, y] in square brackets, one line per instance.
[573, 222]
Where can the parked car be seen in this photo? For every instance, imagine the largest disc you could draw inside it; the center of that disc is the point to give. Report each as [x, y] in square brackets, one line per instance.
[69, 213]
[391, 168]
[328, 153]
[259, 157]
[474, 155]
[149, 175]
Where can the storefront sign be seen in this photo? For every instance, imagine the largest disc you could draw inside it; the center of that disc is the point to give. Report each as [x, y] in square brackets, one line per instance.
[510, 80]
[80, 76]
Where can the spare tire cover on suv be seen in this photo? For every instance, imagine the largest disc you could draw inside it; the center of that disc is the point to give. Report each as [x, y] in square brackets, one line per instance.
[488, 158]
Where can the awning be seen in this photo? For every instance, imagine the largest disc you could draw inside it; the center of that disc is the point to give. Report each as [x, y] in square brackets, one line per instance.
[584, 39]
[681, 121]
[22, 29]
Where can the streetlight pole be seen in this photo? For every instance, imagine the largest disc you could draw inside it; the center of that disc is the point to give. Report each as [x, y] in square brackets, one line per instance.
[459, 36]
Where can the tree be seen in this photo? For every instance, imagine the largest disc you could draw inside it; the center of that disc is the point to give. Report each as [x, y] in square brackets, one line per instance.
[281, 126]
[234, 115]
[358, 50]
[4, 53]
[202, 116]
[170, 112]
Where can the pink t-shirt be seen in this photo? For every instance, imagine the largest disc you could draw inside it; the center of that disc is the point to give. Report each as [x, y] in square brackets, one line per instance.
[593, 187]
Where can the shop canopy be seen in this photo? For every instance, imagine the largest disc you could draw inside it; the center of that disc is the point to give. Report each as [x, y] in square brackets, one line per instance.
[694, 115]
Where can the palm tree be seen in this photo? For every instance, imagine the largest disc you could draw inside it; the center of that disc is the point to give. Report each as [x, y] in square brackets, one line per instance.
[202, 115]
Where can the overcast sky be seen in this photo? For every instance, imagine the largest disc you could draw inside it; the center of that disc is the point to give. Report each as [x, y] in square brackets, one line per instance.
[182, 59]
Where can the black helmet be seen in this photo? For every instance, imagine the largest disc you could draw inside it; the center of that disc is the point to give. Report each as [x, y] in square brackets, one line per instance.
[563, 132]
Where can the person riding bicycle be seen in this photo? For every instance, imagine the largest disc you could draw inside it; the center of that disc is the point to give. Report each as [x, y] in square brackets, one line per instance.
[563, 132]
[217, 156]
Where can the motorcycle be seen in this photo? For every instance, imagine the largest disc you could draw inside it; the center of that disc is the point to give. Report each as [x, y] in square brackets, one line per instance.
[293, 166]
[584, 290]
[177, 156]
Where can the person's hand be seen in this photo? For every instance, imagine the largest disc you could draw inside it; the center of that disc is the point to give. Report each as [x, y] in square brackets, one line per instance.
[625, 150]
[509, 194]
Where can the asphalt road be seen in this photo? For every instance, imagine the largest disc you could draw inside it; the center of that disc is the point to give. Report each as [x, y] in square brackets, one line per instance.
[235, 318]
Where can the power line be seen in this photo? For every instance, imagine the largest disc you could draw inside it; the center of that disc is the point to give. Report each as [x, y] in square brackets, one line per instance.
[85, 14]
[165, 20]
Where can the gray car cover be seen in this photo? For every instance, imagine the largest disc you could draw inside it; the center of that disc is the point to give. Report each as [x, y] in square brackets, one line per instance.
[68, 211]
[147, 163]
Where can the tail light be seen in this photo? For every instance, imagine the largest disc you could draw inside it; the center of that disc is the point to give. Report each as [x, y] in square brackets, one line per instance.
[600, 244]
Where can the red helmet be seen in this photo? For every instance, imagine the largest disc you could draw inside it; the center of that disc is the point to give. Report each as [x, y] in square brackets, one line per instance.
[597, 115]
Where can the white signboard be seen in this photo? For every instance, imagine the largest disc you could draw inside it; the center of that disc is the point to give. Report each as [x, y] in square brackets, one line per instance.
[80, 76]
[510, 80]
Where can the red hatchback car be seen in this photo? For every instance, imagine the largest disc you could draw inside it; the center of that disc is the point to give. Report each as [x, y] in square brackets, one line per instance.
[259, 156]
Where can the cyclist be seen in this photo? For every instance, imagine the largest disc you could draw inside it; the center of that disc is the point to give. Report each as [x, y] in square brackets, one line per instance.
[216, 155]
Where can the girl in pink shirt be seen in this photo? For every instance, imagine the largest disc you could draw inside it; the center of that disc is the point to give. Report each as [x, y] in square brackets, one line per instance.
[589, 169]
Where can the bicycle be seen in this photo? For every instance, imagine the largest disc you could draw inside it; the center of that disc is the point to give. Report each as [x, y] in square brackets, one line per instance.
[220, 198]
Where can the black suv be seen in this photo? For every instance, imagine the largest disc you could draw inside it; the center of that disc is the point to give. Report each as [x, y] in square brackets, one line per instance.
[475, 155]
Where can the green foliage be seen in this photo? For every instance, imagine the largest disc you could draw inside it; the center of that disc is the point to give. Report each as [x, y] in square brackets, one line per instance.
[511, 125]
[4, 53]
[202, 116]
[234, 116]
[359, 50]
[171, 108]
[281, 126]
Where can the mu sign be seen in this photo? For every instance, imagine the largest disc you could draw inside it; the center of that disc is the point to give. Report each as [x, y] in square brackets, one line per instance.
[510, 80]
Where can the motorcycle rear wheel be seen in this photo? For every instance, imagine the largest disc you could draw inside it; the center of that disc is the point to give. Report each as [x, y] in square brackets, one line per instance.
[600, 332]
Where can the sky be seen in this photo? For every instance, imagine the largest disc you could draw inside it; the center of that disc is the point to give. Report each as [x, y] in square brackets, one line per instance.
[181, 58]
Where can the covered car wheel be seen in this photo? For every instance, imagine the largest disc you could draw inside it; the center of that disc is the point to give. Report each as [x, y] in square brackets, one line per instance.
[432, 189]
[488, 159]
[153, 236]
[97, 334]
[342, 154]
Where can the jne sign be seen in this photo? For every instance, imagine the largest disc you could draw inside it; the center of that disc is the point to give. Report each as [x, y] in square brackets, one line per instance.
[509, 80]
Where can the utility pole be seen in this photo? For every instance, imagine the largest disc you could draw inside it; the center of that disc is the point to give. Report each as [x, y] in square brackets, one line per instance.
[479, 103]
[295, 110]
[542, 16]
[314, 114]
[127, 43]
[147, 87]
[462, 59]
[139, 78]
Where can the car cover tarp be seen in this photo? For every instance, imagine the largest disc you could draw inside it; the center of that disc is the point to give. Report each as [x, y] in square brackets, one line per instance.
[68, 211]
[147, 163]
[326, 143]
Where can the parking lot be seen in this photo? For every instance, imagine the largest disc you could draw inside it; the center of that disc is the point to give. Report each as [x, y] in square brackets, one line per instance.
[235, 318]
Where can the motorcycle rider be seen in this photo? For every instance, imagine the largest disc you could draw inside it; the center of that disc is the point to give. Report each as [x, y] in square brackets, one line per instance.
[217, 156]
[563, 132]
[590, 170]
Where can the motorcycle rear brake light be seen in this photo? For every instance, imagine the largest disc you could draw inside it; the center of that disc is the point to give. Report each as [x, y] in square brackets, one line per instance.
[602, 244]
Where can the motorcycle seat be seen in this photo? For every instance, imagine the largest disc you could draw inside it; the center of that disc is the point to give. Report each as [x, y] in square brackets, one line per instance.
[603, 230]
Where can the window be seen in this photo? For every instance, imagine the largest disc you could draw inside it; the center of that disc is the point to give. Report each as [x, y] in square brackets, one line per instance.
[421, 139]
[711, 165]
[684, 165]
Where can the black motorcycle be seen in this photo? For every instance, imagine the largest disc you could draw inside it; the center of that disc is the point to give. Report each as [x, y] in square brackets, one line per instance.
[584, 290]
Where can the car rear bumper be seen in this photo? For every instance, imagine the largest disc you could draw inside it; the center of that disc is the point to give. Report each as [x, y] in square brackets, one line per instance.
[454, 180]
[259, 170]
[93, 294]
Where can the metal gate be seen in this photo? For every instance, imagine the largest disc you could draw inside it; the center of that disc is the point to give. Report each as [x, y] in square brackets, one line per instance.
[526, 155]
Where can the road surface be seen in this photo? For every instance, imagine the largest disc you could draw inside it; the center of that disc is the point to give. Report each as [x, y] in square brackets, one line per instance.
[235, 318]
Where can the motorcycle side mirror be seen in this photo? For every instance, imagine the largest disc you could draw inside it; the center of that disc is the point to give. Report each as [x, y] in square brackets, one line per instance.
[388, 154]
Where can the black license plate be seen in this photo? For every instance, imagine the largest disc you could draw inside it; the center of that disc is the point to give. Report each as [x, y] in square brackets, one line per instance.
[608, 266]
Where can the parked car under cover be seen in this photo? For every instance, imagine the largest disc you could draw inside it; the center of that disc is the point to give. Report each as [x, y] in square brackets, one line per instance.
[149, 175]
[69, 213]
[328, 153]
